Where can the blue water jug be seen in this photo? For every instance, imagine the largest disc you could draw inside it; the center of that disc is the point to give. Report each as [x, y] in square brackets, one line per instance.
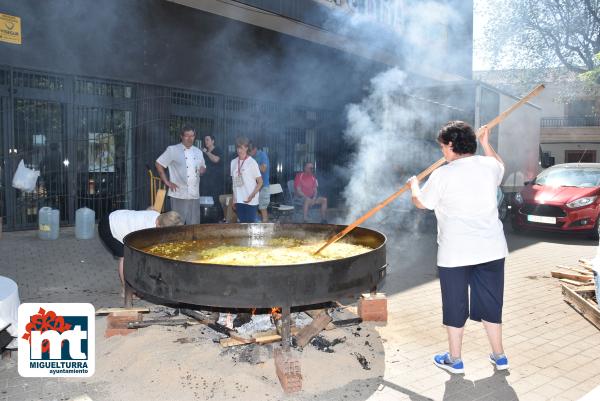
[48, 223]
[85, 219]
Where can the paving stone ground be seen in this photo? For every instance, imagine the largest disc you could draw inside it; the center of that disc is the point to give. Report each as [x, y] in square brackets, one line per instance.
[553, 350]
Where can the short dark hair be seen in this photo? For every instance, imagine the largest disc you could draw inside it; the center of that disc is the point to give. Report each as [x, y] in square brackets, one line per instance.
[211, 136]
[461, 135]
[187, 128]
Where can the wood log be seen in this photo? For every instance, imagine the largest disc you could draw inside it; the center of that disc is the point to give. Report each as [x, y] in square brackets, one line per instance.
[161, 322]
[314, 313]
[121, 311]
[347, 322]
[262, 338]
[217, 326]
[571, 276]
[309, 331]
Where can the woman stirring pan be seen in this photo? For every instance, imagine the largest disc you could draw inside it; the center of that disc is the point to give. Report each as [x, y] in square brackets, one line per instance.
[471, 243]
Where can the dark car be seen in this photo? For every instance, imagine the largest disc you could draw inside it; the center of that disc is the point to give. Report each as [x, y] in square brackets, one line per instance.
[561, 198]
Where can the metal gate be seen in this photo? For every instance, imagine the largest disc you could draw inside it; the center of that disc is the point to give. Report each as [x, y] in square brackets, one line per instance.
[93, 140]
[102, 137]
[34, 130]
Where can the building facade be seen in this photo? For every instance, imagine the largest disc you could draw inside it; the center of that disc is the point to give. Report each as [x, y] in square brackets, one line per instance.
[570, 121]
[97, 89]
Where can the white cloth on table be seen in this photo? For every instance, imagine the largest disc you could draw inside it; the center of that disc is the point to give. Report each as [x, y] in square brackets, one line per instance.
[9, 304]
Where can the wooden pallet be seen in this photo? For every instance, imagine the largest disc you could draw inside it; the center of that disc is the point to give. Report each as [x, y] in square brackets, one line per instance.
[582, 300]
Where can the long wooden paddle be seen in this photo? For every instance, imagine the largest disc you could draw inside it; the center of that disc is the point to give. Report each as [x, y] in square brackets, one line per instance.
[426, 172]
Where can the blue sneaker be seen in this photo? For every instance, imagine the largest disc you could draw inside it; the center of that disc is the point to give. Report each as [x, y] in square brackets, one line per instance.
[443, 361]
[500, 363]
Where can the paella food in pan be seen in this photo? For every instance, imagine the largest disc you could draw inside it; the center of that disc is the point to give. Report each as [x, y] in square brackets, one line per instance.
[278, 251]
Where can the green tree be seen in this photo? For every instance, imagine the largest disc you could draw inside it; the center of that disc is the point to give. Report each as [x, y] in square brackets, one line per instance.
[542, 33]
[592, 76]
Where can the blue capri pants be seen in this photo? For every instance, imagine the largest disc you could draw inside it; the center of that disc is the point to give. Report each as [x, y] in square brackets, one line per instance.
[486, 282]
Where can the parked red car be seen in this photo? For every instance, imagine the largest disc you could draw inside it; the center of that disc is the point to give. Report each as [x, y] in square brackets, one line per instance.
[564, 198]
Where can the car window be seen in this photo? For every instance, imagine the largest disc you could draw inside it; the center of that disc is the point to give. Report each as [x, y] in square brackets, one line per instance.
[569, 177]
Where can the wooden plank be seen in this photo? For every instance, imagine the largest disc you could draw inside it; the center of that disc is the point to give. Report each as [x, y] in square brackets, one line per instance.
[161, 322]
[309, 331]
[263, 337]
[118, 311]
[586, 264]
[573, 282]
[575, 269]
[314, 313]
[200, 317]
[586, 308]
[571, 276]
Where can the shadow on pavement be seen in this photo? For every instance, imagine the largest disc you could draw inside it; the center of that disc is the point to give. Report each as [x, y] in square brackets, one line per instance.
[518, 240]
[411, 394]
[494, 388]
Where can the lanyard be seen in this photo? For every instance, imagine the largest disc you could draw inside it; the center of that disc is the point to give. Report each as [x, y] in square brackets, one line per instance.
[242, 165]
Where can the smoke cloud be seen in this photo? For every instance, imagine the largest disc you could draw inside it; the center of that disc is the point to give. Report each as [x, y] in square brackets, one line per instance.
[384, 128]
[394, 127]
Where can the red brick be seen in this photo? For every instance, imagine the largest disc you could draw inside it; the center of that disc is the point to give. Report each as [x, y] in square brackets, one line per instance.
[288, 371]
[116, 323]
[373, 307]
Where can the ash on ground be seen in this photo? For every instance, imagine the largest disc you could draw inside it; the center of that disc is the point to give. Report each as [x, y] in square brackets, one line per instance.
[323, 344]
[261, 322]
[253, 354]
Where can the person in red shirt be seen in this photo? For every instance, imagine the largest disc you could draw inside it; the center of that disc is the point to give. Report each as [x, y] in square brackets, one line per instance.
[305, 186]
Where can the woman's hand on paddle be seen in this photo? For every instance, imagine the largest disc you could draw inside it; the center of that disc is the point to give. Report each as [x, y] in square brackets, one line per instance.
[413, 182]
[483, 134]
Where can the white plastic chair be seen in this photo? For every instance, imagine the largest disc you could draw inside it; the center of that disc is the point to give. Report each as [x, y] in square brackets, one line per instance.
[279, 209]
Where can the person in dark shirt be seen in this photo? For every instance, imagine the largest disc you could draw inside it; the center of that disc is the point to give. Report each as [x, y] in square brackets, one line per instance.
[212, 181]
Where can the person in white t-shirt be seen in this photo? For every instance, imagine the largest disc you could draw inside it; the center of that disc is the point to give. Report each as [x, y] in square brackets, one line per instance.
[186, 164]
[113, 227]
[247, 181]
[471, 242]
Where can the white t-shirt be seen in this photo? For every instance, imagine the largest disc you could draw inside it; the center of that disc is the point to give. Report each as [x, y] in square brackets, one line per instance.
[183, 164]
[123, 222]
[463, 196]
[249, 172]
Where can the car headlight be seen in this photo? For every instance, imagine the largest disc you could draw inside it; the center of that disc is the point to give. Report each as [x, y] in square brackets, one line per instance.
[588, 200]
[518, 198]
